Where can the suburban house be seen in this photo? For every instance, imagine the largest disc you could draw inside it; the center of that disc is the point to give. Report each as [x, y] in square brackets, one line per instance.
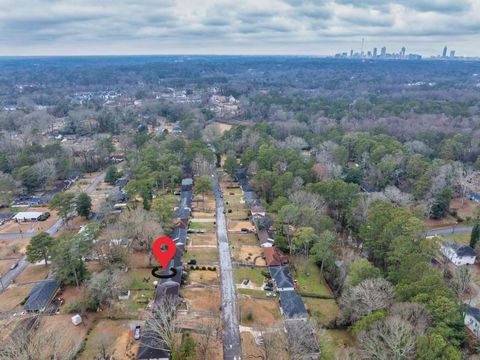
[257, 210]
[151, 346]
[27, 216]
[41, 296]
[459, 254]
[472, 319]
[274, 256]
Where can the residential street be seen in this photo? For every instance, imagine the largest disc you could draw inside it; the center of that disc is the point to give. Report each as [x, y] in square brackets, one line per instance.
[23, 263]
[449, 230]
[232, 349]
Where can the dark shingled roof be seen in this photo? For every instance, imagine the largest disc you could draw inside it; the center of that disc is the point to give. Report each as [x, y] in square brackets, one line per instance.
[41, 295]
[292, 305]
[168, 288]
[462, 250]
[149, 345]
[281, 275]
[473, 311]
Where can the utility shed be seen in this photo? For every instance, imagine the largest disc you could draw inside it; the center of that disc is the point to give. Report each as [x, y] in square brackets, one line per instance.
[41, 296]
[27, 216]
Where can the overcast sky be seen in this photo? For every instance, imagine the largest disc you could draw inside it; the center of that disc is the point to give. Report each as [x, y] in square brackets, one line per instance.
[313, 27]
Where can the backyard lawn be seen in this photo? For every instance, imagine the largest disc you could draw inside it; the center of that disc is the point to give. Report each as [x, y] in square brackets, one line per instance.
[202, 254]
[312, 283]
[324, 310]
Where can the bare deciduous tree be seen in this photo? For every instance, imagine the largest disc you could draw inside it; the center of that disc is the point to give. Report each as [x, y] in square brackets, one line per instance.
[389, 339]
[461, 280]
[415, 314]
[366, 297]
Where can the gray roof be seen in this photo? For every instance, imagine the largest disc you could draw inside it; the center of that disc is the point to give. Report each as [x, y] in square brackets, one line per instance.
[167, 288]
[292, 304]
[149, 345]
[281, 275]
[473, 311]
[461, 250]
[41, 295]
[187, 181]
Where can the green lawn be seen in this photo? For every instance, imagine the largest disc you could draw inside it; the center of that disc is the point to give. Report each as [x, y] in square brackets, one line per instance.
[135, 279]
[462, 238]
[254, 275]
[201, 225]
[324, 310]
[312, 283]
[139, 299]
[332, 342]
[237, 214]
[202, 254]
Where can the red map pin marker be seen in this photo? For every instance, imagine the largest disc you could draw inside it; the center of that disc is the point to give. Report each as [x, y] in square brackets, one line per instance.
[164, 249]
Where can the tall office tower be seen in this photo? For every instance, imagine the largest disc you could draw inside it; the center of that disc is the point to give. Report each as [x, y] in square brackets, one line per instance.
[452, 53]
[402, 52]
[445, 51]
[351, 53]
[383, 53]
[374, 52]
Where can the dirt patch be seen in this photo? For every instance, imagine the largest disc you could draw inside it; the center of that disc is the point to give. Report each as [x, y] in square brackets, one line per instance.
[238, 225]
[202, 299]
[202, 239]
[202, 215]
[204, 277]
[33, 273]
[466, 210]
[71, 294]
[13, 296]
[249, 253]
[254, 312]
[215, 348]
[138, 259]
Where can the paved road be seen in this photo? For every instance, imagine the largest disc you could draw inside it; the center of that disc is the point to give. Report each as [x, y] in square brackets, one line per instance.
[232, 349]
[7, 279]
[450, 230]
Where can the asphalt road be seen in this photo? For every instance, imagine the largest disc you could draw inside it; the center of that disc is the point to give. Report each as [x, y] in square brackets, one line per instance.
[450, 230]
[232, 349]
[11, 275]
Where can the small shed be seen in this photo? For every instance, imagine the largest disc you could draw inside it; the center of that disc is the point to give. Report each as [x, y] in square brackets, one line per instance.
[76, 320]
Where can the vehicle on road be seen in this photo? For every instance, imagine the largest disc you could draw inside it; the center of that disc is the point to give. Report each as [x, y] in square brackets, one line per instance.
[137, 332]
[14, 265]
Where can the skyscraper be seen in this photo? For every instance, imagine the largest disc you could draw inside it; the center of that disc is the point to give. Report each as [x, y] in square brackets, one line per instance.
[374, 52]
[383, 52]
[452, 53]
[445, 51]
[402, 51]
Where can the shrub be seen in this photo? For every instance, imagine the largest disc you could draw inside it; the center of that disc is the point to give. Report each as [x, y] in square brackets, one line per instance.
[204, 268]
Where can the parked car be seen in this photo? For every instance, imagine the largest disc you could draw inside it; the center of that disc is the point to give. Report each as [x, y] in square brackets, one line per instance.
[14, 265]
[245, 281]
[44, 216]
[192, 262]
[137, 332]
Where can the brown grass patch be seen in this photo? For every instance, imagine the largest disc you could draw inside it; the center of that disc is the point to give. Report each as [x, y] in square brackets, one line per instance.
[33, 273]
[8, 245]
[202, 239]
[238, 225]
[242, 253]
[254, 312]
[202, 299]
[13, 296]
[204, 277]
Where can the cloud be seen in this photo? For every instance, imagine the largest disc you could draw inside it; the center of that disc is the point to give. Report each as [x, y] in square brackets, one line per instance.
[191, 26]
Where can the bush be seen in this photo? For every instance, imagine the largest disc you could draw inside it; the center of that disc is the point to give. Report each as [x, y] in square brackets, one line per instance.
[204, 268]
[75, 306]
[229, 211]
[214, 268]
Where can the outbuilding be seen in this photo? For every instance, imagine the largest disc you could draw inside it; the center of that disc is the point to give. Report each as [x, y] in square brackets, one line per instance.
[27, 216]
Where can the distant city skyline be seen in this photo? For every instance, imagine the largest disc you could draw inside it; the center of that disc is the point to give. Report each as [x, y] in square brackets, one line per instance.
[249, 27]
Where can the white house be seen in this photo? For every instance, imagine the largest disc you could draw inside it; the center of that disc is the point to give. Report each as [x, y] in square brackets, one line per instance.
[459, 254]
[472, 320]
